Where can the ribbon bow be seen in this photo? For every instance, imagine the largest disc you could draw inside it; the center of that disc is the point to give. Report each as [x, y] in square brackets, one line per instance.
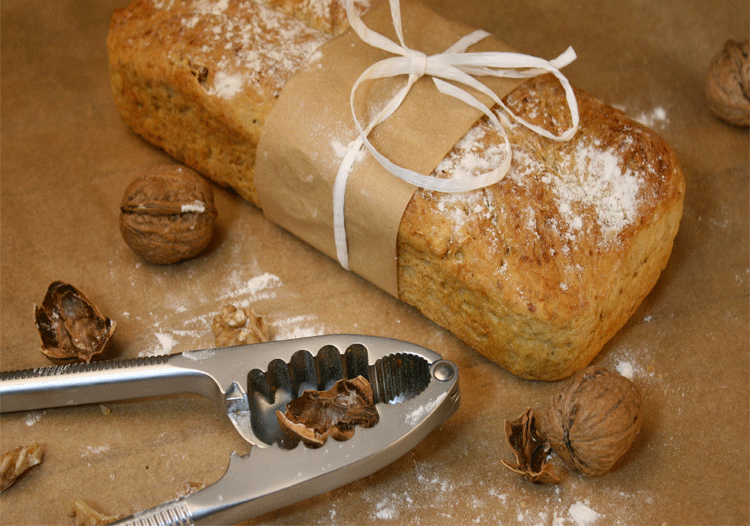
[458, 66]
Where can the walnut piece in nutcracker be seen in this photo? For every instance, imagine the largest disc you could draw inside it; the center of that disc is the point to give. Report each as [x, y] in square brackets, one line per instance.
[317, 415]
[592, 420]
[728, 83]
[70, 326]
[239, 326]
[15, 462]
[168, 214]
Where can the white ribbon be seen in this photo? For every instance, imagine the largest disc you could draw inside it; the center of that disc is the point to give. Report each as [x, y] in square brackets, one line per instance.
[456, 65]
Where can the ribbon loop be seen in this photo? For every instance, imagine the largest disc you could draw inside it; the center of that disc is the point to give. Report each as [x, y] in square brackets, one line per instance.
[454, 66]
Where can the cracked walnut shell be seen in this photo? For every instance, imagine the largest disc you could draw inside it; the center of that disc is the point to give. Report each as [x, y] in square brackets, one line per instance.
[593, 420]
[531, 449]
[317, 415]
[70, 326]
[167, 214]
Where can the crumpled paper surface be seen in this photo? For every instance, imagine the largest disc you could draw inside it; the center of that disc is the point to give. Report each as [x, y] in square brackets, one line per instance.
[67, 158]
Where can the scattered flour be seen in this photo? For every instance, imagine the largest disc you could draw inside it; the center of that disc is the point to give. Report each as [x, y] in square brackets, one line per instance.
[238, 288]
[385, 510]
[420, 412]
[582, 515]
[296, 327]
[656, 117]
[235, 288]
[625, 369]
[94, 450]
[33, 417]
[166, 343]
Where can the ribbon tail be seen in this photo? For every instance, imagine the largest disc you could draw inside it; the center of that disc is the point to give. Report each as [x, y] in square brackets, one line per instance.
[469, 40]
[396, 16]
[369, 36]
[339, 196]
[565, 58]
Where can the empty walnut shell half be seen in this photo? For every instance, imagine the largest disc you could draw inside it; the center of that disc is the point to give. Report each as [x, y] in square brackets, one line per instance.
[168, 214]
[317, 415]
[70, 326]
[593, 420]
[531, 450]
[728, 83]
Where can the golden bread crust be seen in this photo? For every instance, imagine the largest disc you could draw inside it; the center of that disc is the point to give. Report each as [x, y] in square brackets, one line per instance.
[198, 80]
[538, 271]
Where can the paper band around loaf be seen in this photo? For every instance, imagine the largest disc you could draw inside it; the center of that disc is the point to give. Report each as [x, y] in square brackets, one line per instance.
[308, 136]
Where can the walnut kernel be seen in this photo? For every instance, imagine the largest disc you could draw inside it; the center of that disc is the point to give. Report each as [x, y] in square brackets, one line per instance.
[593, 420]
[728, 83]
[15, 462]
[70, 326]
[168, 214]
[84, 515]
[233, 326]
[317, 415]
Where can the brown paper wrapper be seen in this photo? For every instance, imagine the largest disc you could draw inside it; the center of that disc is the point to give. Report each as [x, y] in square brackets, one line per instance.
[306, 134]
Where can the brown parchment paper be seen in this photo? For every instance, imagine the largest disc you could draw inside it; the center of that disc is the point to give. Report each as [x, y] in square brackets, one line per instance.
[66, 158]
[306, 133]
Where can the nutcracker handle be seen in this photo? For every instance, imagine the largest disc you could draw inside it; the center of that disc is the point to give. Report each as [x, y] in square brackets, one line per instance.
[98, 382]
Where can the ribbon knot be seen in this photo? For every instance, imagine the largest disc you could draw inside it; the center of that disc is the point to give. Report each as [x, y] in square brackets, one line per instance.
[418, 63]
[454, 66]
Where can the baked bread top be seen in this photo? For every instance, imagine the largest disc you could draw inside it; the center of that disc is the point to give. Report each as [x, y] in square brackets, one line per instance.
[564, 248]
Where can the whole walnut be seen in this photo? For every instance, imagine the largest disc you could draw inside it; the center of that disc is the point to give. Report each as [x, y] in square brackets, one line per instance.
[728, 83]
[168, 214]
[593, 420]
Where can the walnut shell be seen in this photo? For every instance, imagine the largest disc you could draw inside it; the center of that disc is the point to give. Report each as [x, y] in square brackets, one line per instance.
[593, 420]
[728, 83]
[70, 326]
[168, 214]
[531, 450]
[315, 416]
[15, 462]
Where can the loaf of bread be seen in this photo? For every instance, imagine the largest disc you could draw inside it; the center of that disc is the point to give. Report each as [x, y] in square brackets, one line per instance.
[536, 272]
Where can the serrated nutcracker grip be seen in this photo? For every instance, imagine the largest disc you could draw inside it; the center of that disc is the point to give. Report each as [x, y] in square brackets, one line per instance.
[175, 513]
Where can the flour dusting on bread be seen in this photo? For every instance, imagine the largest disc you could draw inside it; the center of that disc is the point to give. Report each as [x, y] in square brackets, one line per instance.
[244, 42]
